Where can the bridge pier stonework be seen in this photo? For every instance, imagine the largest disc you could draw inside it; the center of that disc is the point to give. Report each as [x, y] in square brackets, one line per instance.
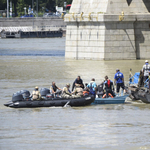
[108, 29]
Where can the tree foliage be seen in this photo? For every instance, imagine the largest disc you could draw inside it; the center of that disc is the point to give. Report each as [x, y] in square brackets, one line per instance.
[18, 5]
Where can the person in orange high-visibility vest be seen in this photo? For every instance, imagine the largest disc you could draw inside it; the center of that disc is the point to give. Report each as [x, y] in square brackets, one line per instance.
[108, 87]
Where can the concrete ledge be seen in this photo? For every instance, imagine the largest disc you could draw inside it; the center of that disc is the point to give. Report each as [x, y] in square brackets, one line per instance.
[105, 18]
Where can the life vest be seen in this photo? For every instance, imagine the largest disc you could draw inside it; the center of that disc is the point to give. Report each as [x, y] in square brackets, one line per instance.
[108, 95]
[91, 89]
[108, 84]
[146, 69]
[54, 88]
[79, 90]
[85, 92]
[35, 94]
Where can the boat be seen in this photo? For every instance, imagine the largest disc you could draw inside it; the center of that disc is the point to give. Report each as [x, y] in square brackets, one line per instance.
[138, 92]
[22, 99]
[115, 100]
[144, 95]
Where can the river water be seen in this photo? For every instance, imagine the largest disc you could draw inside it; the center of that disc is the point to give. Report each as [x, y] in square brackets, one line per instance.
[26, 63]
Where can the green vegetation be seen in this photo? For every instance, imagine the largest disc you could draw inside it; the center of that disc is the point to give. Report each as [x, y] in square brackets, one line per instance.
[18, 5]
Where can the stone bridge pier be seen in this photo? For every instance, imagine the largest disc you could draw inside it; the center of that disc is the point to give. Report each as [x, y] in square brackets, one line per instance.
[108, 29]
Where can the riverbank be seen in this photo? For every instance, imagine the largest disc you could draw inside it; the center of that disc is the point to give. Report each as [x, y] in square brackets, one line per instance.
[32, 24]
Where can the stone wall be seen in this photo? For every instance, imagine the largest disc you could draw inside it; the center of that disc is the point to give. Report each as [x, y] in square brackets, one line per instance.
[97, 29]
[15, 22]
[142, 39]
[119, 41]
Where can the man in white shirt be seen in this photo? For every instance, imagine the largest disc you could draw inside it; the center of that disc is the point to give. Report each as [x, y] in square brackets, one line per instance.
[146, 70]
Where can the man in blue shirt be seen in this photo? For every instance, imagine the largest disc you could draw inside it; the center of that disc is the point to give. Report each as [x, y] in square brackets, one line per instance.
[92, 87]
[119, 80]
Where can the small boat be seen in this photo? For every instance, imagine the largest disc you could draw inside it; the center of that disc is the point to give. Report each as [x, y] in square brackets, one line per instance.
[144, 95]
[22, 99]
[139, 92]
[115, 100]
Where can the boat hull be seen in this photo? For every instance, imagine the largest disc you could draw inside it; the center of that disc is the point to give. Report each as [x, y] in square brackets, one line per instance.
[52, 103]
[115, 100]
[144, 96]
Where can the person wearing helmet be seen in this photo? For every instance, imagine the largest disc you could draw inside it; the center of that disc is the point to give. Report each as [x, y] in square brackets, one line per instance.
[36, 94]
[146, 70]
[66, 93]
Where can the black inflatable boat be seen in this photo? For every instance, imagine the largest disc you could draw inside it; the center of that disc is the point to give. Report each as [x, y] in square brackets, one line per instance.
[22, 99]
[141, 93]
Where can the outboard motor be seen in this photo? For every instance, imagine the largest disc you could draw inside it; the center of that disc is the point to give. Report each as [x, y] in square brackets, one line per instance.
[44, 92]
[25, 94]
[17, 97]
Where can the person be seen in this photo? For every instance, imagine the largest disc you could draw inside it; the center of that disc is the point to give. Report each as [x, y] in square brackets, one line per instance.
[92, 87]
[140, 80]
[149, 82]
[108, 87]
[145, 70]
[79, 81]
[54, 88]
[119, 81]
[100, 90]
[86, 90]
[36, 94]
[78, 91]
[66, 93]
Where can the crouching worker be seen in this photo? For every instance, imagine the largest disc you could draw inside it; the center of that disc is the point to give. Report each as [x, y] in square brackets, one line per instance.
[100, 90]
[109, 88]
[36, 94]
[78, 91]
[66, 93]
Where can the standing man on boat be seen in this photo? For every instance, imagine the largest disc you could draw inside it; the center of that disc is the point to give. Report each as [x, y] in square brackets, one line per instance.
[92, 87]
[146, 70]
[119, 81]
[108, 87]
[78, 81]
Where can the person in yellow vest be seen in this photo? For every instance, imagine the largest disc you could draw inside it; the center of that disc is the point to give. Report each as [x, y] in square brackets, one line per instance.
[36, 94]
[78, 91]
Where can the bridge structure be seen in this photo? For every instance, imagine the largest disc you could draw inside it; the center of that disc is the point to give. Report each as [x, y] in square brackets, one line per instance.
[108, 30]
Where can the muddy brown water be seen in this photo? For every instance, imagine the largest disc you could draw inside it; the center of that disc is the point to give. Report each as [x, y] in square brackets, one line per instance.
[25, 63]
